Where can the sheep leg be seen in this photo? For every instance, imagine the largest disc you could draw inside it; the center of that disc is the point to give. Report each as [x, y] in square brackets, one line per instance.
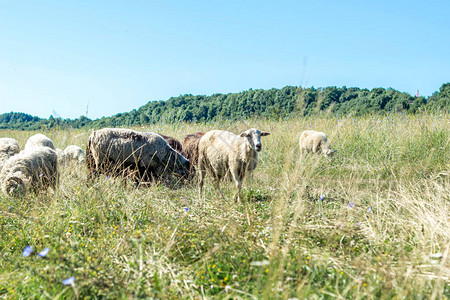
[217, 187]
[201, 176]
[238, 184]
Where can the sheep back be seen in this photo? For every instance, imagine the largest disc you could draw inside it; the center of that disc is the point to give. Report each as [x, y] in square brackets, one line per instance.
[39, 140]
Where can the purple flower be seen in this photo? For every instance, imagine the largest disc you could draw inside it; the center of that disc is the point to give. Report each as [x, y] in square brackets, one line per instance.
[369, 209]
[359, 223]
[27, 251]
[107, 177]
[351, 204]
[340, 226]
[44, 252]
[42, 174]
[69, 281]
[322, 197]
[186, 209]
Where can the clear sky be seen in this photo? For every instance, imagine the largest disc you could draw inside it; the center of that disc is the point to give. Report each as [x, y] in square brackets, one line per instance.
[58, 56]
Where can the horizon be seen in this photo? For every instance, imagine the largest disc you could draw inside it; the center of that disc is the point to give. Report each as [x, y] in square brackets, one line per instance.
[56, 59]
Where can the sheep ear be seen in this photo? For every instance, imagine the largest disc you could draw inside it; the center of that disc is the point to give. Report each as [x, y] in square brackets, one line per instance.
[263, 133]
[244, 134]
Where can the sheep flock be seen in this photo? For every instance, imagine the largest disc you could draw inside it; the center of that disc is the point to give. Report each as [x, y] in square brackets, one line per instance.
[142, 157]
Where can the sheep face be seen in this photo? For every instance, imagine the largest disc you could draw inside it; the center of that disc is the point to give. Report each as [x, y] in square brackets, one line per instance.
[254, 138]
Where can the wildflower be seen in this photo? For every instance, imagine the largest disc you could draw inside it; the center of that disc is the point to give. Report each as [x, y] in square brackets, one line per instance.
[351, 204]
[27, 251]
[42, 174]
[69, 281]
[340, 226]
[359, 223]
[322, 197]
[186, 209]
[44, 252]
[107, 177]
[369, 209]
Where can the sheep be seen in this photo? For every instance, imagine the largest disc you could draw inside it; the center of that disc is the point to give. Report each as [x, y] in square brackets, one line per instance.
[174, 143]
[75, 153]
[189, 144]
[222, 153]
[33, 170]
[8, 148]
[39, 140]
[125, 152]
[315, 142]
[190, 149]
[61, 155]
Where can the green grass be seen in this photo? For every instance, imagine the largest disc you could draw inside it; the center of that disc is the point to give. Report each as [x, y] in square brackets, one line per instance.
[281, 242]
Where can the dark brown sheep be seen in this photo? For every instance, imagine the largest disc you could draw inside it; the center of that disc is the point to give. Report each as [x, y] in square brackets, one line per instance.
[190, 146]
[174, 143]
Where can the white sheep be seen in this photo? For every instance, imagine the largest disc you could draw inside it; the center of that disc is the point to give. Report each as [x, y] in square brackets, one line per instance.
[315, 142]
[75, 153]
[39, 140]
[118, 151]
[34, 170]
[8, 148]
[61, 155]
[223, 153]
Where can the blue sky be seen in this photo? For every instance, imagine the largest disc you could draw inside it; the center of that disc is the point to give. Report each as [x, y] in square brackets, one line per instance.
[58, 56]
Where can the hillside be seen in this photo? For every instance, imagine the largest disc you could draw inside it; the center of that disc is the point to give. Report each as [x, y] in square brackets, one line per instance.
[289, 101]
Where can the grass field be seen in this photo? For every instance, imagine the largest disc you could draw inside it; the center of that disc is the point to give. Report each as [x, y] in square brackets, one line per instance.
[373, 222]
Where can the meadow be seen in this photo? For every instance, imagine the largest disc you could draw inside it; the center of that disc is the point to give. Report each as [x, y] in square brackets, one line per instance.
[373, 222]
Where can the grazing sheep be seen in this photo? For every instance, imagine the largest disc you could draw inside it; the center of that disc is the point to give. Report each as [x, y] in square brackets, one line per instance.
[39, 140]
[8, 148]
[190, 146]
[34, 170]
[125, 152]
[75, 153]
[315, 142]
[61, 156]
[223, 153]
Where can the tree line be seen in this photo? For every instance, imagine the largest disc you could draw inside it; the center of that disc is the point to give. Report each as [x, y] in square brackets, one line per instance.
[282, 103]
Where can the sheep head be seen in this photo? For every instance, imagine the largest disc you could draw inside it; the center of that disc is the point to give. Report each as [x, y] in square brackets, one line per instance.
[329, 152]
[254, 135]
